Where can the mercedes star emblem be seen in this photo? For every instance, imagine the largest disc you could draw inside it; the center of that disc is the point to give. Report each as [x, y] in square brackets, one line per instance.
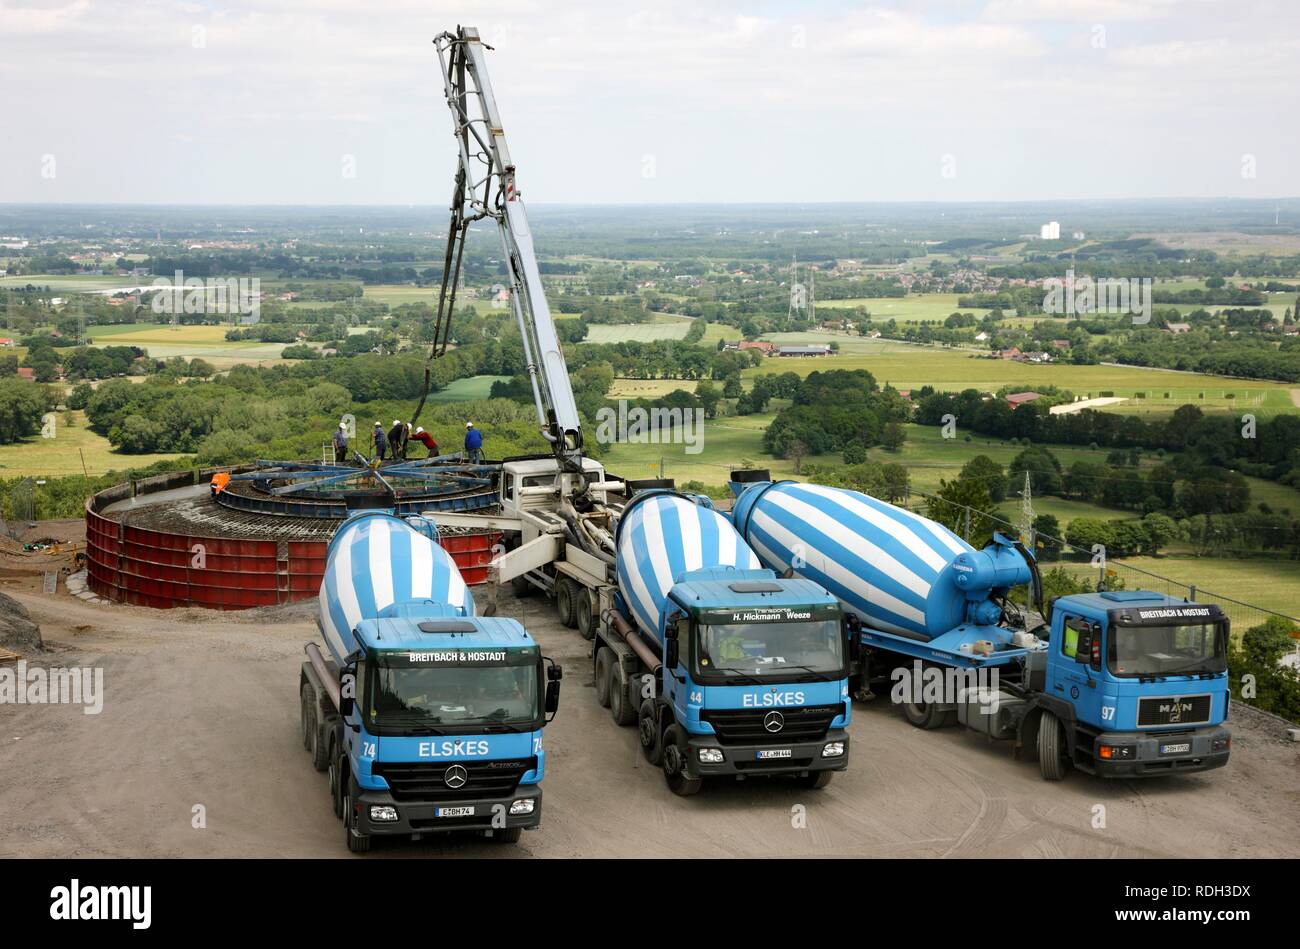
[455, 776]
[773, 721]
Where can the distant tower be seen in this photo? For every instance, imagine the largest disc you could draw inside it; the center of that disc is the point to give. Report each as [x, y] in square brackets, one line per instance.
[812, 295]
[1026, 526]
[796, 292]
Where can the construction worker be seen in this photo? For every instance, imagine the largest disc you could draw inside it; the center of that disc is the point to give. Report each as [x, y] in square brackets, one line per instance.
[397, 440]
[473, 443]
[379, 442]
[341, 443]
[425, 439]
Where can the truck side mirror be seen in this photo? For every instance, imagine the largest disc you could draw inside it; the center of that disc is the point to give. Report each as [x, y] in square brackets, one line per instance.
[1083, 649]
[671, 654]
[552, 698]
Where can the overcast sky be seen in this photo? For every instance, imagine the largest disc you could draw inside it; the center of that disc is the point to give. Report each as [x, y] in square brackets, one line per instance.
[606, 101]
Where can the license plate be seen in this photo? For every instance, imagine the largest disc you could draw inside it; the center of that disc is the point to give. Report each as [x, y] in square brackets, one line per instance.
[775, 753]
[1179, 749]
[455, 812]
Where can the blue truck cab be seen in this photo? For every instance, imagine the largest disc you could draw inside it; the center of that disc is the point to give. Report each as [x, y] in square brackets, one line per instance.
[754, 681]
[438, 726]
[1139, 682]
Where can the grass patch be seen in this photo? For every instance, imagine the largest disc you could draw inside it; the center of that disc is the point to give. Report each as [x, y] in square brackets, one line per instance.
[62, 454]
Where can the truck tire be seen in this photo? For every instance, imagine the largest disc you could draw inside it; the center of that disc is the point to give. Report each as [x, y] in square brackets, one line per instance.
[604, 661]
[675, 762]
[338, 776]
[584, 614]
[926, 715]
[357, 843]
[565, 593]
[1051, 748]
[650, 732]
[311, 730]
[816, 780]
[306, 696]
[508, 835]
[620, 702]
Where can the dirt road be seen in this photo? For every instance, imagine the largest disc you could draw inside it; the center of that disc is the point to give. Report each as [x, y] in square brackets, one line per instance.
[201, 710]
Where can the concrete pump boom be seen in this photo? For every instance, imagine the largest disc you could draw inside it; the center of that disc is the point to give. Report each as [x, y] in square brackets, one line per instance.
[486, 188]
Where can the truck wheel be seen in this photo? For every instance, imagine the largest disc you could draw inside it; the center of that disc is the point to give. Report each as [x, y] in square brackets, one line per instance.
[508, 835]
[565, 592]
[675, 764]
[1051, 748]
[338, 777]
[357, 843]
[604, 660]
[926, 715]
[620, 703]
[306, 695]
[651, 735]
[584, 614]
[816, 780]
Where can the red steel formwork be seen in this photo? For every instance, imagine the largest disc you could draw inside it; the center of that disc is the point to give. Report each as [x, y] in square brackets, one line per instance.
[146, 556]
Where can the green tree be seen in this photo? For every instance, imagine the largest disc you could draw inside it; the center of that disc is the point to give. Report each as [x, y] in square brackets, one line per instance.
[988, 472]
[965, 508]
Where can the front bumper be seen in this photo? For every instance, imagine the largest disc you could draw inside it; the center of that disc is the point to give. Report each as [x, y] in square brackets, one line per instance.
[1207, 748]
[421, 817]
[745, 761]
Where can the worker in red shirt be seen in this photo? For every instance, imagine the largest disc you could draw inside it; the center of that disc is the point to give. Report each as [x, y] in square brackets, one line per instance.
[425, 439]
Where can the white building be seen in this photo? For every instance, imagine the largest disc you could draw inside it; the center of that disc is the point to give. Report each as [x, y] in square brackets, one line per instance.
[1051, 231]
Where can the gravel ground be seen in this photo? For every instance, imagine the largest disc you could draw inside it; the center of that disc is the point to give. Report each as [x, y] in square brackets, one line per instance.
[201, 709]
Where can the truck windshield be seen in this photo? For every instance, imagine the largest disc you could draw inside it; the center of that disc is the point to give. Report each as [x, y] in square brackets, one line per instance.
[754, 650]
[410, 690]
[1166, 650]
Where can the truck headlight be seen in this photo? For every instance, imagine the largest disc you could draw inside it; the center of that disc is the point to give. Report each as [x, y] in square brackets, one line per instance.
[383, 813]
[833, 749]
[1221, 744]
[524, 805]
[1114, 752]
[711, 756]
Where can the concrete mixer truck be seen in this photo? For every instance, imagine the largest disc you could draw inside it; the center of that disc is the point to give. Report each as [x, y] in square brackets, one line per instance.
[727, 670]
[427, 717]
[1116, 684]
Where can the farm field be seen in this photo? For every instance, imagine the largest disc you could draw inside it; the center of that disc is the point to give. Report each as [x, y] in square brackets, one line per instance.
[913, 308]
[910, 367]
[648, 388]
[62, 455]
[1270, 584]
[636, 332]
[76, 283]
[396, 294]
[163, 341]
[465, 390]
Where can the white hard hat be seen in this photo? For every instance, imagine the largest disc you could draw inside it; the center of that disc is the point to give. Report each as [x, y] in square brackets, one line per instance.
[343, 425]
[419, 429]
[469, 424]
[397, 421]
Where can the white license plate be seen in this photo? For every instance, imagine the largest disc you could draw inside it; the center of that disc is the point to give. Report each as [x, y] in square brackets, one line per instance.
[455, 812]
[1180, 749]
[775, 753]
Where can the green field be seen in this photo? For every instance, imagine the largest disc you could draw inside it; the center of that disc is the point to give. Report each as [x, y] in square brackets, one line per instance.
[163, 341]
[465, 390]
[909, 367]
[396, 294]
[62, 454]
[1269, 584]
[913, 308]
[636, 332]
[76, 283]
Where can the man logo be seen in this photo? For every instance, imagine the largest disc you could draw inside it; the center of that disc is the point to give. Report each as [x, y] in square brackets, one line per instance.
[1176, 713]
[773, 722]
[455, 776]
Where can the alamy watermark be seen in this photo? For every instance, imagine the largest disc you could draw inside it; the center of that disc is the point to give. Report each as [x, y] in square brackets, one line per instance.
[932, 685]
[241, 296]
[78, 685]
[1079, 296]
[653, 426]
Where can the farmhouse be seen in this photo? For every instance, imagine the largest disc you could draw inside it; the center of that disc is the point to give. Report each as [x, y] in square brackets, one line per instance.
[1177, 327]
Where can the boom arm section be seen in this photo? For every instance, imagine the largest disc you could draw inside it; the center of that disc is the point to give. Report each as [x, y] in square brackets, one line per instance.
[486, 188]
